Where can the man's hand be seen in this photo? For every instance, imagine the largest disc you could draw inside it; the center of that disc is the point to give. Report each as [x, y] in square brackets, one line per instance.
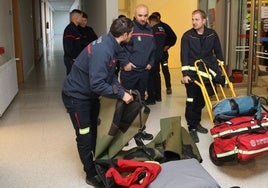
[127, 98]
[166, 48]
[129, 66]
[220, 79]
[148, 67]
[186, 79]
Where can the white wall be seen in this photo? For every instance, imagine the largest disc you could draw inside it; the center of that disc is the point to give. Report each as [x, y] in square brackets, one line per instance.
[6, 31]
[8, 72]
[112, 12]
[26, 30]
[96, 11]
[61, 20]
[76, 5]
[100, 14]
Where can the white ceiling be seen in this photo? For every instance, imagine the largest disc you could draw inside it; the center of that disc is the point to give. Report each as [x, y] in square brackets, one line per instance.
[61, 5]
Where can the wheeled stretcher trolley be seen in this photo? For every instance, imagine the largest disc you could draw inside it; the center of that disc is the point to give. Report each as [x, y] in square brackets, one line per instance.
[239, 125]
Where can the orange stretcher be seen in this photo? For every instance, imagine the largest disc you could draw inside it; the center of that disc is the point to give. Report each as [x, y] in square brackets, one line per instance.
[219, 92]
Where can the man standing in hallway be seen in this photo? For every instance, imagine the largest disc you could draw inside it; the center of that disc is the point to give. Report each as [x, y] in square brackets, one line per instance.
[139, 53]
[154, 83]
[87, 33]
[93, 75]
[71, 39]
[139, 56]
[197, 43]
[171, 39]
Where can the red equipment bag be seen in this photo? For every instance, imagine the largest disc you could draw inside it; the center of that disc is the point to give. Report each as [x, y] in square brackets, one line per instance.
[241, 138]
[127, 173]
[240, 125]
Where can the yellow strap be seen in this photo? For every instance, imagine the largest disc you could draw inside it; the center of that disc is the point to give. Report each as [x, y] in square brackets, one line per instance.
[84, 131]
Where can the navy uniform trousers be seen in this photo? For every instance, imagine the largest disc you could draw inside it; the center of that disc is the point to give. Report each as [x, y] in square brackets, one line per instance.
[194, 105]
[135, 80]
[84, 115]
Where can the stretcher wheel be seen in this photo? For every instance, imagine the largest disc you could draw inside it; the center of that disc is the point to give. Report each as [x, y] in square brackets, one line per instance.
[213, 156]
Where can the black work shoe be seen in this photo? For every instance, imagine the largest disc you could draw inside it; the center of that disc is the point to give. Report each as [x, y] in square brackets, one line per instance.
[194, 135]
[95, 181]
[201, 129]
[158, 99]
[144, 136]
[169, 91]
[149, 102]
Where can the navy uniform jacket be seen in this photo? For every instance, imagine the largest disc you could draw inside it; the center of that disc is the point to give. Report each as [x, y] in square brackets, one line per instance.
[87, 35]
[171, 36]
[140, 49]
[93, 72]
[170, 39]
[195, 47]
[71, 41]
[160, 41]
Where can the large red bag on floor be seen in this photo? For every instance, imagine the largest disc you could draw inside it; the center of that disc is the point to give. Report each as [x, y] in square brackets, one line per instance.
[240, 125]
[241, 138]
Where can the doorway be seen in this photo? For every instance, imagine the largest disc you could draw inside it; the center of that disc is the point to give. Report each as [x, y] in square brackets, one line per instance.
[251, 46]
[245, 40]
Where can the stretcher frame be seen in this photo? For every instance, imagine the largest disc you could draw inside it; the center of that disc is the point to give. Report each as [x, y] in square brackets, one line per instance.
[227, 155]
[201, 84]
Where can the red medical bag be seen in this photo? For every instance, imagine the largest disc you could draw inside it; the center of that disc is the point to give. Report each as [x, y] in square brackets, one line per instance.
[239, 139]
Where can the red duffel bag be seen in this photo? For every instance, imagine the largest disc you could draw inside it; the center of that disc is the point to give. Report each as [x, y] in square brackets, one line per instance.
[240, 125]
[241, 138]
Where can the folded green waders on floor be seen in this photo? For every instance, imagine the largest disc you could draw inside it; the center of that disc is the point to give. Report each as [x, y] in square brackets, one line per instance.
[173, 142]
[120, 122]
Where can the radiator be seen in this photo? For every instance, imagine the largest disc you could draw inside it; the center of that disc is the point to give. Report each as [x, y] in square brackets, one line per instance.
[8, 84]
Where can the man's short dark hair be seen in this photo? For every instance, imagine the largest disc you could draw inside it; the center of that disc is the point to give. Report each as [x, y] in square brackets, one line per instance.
[121, 26]
[154, 18]
[122, 16]
[201, 12]
[157, 14]
[84, 15]
[76, 11]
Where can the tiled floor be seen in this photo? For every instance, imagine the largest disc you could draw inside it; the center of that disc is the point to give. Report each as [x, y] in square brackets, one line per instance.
[37, 141]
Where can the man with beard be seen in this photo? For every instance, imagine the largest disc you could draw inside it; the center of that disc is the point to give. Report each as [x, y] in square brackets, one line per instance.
[139, 57]
[198, 43]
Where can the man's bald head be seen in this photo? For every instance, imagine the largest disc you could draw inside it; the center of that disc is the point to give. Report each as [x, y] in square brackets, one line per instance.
[141, 14]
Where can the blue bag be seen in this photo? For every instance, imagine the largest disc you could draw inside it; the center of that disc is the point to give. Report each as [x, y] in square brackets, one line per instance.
[229, 108]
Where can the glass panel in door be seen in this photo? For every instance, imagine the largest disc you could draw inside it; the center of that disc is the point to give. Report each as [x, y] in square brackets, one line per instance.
[260, 52]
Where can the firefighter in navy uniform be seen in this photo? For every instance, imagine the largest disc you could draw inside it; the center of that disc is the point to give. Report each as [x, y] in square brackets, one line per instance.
[198, 43]
[93, 75]
[87, 33]
[139, 53]
[138, 57]
[154, 83]
[171, 39]
[71, 39]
